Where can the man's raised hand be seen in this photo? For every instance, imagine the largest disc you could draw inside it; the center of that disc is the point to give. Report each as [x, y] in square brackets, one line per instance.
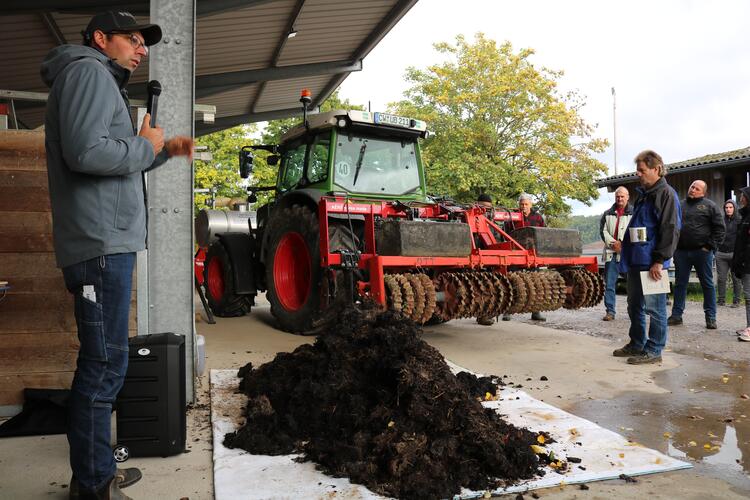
[153, 135]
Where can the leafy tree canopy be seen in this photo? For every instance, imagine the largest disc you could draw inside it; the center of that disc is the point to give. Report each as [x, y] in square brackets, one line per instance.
[502, 126]
[587, 225]
[221, 173]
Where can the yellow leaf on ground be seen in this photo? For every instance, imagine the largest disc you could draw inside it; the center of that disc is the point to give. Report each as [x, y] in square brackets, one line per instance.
[540, 439]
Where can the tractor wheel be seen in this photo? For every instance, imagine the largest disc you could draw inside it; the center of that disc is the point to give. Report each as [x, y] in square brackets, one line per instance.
[293, 272]
[219, 284]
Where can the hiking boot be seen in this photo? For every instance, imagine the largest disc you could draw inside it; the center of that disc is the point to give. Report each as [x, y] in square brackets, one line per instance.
[710, 324]
[644, 358]
[125, 478]
[486, 321]
[537, 316]
[735, 305]
[720, 303]
[608, 317]
[674, 320]
[506, 317]
[111, 491]
[626, 351]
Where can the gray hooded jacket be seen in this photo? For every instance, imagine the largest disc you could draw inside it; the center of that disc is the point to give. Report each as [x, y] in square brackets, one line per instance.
[95, 160]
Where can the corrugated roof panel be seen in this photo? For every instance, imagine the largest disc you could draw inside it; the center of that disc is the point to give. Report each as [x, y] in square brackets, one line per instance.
[24, 41]
[217, 38]
[686, 165]
[285, 93]
[230, 41]
[318, 38]
[232, 102]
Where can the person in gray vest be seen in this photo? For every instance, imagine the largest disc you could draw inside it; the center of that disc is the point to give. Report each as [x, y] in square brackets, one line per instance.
[612, 228]
[724, 256]
[95, 164]
[702, 233]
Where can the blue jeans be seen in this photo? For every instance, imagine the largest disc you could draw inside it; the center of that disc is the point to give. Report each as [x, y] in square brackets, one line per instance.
[101, 289]
[638, 306]
[703, 261]
[610, 277]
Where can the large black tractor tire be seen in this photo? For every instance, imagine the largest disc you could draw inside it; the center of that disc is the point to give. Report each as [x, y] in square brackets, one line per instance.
[293, 272]
[218, 282]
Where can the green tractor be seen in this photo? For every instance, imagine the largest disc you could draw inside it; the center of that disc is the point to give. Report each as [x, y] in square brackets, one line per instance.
[351, 222]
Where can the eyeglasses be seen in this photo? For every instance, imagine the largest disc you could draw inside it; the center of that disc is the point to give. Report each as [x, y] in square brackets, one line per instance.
[135, 42]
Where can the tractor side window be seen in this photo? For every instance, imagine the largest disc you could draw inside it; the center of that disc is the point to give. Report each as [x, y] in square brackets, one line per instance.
[317, 168]
[294, 162]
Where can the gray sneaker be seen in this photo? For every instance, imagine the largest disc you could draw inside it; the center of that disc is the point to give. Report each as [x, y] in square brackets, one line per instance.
[644, 358]
[626, 351]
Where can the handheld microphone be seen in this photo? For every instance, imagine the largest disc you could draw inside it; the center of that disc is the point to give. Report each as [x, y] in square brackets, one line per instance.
[154, 90]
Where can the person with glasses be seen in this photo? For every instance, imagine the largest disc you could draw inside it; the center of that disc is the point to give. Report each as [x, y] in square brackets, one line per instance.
[96, 161]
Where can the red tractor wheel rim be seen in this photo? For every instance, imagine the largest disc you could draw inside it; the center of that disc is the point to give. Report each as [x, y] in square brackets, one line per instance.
[215, 279]
[291, 271]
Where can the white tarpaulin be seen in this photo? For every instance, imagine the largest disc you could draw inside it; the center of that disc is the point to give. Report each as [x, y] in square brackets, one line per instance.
[603, 454]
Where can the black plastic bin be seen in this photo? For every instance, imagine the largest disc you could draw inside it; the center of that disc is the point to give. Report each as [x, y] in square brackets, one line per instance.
[151, 405]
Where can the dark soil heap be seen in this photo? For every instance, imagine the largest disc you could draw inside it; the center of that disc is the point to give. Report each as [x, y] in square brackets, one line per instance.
[373, 402]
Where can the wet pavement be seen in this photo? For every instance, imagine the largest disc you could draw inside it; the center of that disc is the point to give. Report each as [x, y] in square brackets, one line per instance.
[703, 414]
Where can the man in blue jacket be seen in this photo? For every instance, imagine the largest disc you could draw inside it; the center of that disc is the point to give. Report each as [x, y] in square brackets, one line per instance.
[95, 165]
[648, 246]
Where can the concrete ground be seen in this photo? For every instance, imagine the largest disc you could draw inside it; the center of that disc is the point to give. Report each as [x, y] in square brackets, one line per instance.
[690, 401]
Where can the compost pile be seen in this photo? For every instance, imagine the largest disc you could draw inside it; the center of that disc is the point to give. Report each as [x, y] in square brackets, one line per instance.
[373, 402]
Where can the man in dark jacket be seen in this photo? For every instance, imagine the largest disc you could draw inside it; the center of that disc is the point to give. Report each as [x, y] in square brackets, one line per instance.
[529, 217]
[647, 249]
[702, 233]
[724, 256]
[95, 165]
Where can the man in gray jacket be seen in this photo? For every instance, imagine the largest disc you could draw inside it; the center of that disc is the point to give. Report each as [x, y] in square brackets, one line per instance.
[95, 164]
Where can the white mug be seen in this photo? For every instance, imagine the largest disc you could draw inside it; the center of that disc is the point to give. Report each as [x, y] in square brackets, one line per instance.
[638, 234]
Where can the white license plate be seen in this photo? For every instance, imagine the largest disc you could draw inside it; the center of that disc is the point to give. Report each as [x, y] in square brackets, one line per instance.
[386, 119]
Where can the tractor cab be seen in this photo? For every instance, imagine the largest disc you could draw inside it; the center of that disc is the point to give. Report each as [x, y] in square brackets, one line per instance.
[351, 153]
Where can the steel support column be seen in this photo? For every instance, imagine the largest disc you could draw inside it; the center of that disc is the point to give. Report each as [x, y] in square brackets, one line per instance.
[169, 272]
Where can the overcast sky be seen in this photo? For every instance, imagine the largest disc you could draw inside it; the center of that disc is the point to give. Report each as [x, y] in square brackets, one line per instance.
[680, 68]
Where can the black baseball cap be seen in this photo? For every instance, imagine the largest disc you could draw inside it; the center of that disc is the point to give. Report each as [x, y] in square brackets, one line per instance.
[484, 197]
[120, 21]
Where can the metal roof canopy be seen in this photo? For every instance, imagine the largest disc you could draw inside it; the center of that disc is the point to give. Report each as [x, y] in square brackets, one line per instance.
[248, 58]
[252, 56]
[736, 157]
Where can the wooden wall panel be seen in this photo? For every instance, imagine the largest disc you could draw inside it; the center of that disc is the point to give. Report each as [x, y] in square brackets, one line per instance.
[38, 340]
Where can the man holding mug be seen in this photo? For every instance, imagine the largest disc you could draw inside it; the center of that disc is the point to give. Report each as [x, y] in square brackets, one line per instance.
[648, 246]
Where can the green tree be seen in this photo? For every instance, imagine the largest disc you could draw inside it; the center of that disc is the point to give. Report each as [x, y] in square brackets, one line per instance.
[221, 173]
[502, 126]
[587, 225]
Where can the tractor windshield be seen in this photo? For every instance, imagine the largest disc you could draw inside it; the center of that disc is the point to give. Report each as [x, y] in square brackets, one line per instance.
[376, 165]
